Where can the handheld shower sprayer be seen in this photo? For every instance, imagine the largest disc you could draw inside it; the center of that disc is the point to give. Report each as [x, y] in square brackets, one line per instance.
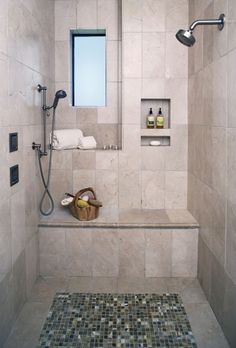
[59, 95]
[46, 180]
[186, 36]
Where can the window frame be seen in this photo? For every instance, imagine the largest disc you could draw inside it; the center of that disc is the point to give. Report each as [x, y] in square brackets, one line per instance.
[85, 33]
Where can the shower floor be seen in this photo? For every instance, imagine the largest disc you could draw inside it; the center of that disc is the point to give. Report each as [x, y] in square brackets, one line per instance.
[25, 332]
[116, 320]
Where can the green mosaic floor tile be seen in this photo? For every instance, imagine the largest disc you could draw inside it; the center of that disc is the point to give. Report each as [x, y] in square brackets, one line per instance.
[117, 320]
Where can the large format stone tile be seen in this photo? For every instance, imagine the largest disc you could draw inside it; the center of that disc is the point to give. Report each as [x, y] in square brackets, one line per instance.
[205, 327]
[132, 16]
[6, 306]
[158, 256]
[25, 332]
[131, 253]
[184, 253]
[19, 283]
[231, 241]
[78, 248]
[105, 251]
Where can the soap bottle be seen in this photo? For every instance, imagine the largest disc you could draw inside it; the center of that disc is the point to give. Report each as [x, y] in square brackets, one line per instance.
[160, 119]
[150, 119]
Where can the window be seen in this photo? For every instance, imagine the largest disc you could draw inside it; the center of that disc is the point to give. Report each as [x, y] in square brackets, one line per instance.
[88, 68]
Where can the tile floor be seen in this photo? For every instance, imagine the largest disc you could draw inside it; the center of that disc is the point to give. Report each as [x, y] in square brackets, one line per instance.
[206, 329]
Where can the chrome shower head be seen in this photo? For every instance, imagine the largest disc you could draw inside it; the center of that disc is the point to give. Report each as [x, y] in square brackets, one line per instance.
[59, 95]
[186, 36]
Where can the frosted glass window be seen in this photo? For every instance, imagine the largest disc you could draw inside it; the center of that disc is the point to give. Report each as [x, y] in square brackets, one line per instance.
[89, 68]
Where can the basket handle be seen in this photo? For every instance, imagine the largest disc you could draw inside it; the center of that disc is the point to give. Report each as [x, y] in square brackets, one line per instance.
[88, 189]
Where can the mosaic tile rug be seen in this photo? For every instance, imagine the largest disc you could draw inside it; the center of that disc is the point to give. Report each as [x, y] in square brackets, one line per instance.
[117, 320]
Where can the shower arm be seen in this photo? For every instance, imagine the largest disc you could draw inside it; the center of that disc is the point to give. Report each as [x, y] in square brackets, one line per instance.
[219, 22]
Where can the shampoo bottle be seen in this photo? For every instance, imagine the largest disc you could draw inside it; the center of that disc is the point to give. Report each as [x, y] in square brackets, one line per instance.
[150, 119]
[160, 119]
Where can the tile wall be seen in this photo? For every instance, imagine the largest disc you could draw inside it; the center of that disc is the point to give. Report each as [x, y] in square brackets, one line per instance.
[118, 252]
[212, 160]
[154, 65]
[26, 59]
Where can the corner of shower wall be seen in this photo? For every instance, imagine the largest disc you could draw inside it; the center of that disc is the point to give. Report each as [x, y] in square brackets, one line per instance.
[27, 35]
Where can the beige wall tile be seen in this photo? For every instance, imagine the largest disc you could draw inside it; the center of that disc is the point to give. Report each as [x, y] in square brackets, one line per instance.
[87, 14]
[176, 190]
[153, 55]
[61, 182]
[31, 261]
[153, 88]
[153, 190]
[153, 159]
[52, 252]
[17, 224]
[132, 55]
[158, 253]
[184, 253]
[231, 88]
[107, 187]
[131, 16]
[83, 178]
[131, 254]
[129, 189]
[112, 61]
[78, 249]
[105, 252]
[108, 17]
[62, 160]
[109, 113]
[231, 161]
[131, 101]
[83, 159]
[231, 27]
[176, 64]
[231, 241]
[177, 91]
[151, 10]
[65, 18]
[5, 240]
[62, 61]
[107, 160]
[176, 15]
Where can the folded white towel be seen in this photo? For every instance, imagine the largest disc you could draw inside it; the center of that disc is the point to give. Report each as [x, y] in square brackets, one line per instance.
[87, 143]
[66, 139]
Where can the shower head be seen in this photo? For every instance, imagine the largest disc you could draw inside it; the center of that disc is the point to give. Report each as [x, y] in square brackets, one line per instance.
[59, 95]
[186, 36]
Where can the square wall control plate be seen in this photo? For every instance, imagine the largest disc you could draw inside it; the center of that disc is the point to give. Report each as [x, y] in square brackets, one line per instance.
[13, 142]
[14, 175]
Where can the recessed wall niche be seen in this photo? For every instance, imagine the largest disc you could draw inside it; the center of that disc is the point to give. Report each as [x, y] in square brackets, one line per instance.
[161, 135]
[155, 104]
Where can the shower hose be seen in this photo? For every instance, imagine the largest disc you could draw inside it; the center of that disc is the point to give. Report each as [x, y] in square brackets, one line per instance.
[46, 182]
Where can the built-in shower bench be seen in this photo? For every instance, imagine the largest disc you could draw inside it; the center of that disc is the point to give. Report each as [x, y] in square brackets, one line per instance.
[125, 243]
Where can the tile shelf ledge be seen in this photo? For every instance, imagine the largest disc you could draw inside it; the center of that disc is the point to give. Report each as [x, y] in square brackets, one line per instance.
[145, 132]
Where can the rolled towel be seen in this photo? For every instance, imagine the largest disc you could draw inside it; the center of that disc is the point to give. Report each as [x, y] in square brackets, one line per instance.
[66, 138]
[87, 143]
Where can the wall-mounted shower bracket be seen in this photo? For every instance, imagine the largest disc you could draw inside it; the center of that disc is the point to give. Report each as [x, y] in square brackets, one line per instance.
[38, 148]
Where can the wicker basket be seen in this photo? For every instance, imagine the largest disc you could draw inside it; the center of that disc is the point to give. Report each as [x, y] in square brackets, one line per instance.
[84, 214]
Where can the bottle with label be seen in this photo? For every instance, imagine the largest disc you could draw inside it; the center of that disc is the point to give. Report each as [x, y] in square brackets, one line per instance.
[160, 119]
[150, 119]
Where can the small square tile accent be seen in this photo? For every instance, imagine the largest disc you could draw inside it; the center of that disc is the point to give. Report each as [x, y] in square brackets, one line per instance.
[117, 320]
